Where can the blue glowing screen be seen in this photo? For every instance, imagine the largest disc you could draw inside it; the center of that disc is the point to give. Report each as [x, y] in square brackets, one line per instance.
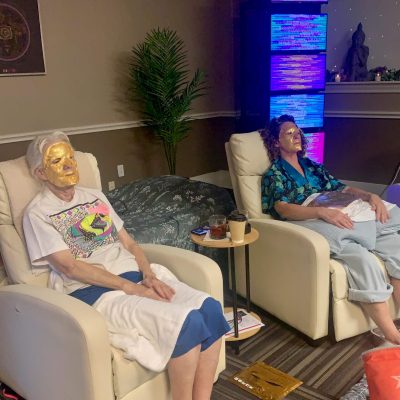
[307, 109]
[298, 72]
[298, 32]
[298, 1]
[315, 147]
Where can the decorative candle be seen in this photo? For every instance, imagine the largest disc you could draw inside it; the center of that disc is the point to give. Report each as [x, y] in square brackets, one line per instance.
[378, 76]
[337, 78]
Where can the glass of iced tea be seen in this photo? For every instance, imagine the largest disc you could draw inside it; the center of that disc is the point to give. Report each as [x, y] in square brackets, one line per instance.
[217, 226]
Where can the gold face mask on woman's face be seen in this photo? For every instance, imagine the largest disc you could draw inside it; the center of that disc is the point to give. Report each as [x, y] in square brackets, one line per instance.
[290, 138]
[60, 166]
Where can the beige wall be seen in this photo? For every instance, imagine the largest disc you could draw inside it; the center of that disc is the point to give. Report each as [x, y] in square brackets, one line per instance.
[142, 156]
[86, 45]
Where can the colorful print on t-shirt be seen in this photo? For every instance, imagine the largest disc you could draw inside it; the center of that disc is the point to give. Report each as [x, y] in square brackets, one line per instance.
[85, 227]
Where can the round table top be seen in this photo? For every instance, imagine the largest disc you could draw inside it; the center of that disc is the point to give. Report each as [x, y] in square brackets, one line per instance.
[225, 244]
[246, 334]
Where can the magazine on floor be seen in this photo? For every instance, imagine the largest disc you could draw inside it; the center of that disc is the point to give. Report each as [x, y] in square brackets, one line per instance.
[246, 322]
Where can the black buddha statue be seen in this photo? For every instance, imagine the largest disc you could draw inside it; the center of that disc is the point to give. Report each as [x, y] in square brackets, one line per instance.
[355, 66]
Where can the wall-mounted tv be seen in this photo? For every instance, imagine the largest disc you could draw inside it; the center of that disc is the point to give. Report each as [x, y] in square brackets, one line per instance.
[307, 109]
[315, 147]
[297, 32]
[298, 72]
[299, 1]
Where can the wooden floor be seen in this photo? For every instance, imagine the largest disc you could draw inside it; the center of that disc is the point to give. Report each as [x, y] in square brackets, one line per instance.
[328, 371]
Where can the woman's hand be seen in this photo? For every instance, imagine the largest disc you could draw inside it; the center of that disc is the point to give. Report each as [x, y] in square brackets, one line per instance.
[378, 206]
[335, 217]
[142, 291]
[162, 289]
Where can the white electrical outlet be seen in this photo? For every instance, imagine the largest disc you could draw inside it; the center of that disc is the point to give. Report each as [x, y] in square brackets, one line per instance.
[111, 186]
[120, 169]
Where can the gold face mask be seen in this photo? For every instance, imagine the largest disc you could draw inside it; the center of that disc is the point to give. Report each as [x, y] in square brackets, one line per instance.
[60, 166]
[290, 139]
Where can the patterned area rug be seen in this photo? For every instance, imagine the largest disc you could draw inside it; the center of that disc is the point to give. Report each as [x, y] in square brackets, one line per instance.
[329, 371]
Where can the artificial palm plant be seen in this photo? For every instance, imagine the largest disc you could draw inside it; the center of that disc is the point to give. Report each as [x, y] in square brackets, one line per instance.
[159, 82]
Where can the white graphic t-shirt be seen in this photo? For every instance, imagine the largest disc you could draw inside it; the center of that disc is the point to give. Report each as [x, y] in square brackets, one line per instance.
[87, 225]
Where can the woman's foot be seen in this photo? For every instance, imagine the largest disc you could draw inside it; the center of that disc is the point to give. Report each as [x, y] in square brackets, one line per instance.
[386, 341]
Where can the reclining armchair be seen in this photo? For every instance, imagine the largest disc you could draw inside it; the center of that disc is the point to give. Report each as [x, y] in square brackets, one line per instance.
[54, 346]
[292, 275]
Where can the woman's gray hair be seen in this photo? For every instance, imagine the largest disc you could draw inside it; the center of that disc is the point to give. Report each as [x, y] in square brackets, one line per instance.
[34, 154]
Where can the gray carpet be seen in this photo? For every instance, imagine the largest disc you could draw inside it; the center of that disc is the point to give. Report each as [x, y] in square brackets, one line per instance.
[328, 371]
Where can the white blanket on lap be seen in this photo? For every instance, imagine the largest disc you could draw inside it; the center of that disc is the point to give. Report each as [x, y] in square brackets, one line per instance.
[146, 330]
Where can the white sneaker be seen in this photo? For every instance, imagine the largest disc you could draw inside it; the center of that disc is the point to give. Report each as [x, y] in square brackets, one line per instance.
[378, 333]
[381, 340]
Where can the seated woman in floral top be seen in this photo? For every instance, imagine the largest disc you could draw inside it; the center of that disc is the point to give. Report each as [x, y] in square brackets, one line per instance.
[292, 178]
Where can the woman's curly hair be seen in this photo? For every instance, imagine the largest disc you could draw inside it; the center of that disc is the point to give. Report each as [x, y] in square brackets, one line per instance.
[270, 136]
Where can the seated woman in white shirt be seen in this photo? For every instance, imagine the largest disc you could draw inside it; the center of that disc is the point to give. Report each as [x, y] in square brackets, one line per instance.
[77, 233]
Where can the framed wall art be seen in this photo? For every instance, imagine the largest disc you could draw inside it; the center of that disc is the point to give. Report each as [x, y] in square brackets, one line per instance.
[21, 50]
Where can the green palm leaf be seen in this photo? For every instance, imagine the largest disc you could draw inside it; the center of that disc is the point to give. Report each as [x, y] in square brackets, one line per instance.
[160, 83]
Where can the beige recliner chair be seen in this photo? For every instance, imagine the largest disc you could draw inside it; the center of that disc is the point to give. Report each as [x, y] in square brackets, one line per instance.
[54, 346]
[292, 274]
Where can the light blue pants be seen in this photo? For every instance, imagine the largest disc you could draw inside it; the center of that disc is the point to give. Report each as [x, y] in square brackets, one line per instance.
[355, 247]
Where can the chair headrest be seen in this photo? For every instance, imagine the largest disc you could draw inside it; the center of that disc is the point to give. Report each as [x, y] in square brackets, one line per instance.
[17, 189]
[249, 154]
[21, 187]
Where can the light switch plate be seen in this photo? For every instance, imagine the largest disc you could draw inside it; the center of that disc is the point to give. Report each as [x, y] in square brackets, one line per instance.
[120, 169]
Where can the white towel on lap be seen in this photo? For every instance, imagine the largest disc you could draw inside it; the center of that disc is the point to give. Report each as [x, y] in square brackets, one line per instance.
[146, 330]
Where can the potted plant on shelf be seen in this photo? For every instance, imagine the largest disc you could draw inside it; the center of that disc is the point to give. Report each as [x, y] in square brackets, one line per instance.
[159, 72]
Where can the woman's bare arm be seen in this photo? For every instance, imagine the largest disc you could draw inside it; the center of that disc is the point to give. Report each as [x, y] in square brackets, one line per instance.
[129, 243]
[150, 280]
[297, 212]
[63, 261]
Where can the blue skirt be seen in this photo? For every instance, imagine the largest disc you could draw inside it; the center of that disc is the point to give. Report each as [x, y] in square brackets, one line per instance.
[201, 327]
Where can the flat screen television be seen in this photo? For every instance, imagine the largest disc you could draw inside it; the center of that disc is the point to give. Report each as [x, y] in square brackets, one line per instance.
[298, 32]
[307, 109]
[315, 147]
[299, 1]
[298, 72]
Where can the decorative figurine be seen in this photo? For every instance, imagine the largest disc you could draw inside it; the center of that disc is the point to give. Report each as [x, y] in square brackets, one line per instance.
[356, 59]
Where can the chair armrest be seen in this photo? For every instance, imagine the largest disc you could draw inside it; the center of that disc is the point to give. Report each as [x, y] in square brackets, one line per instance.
[289, 270]
[53, 346]
[196, 270]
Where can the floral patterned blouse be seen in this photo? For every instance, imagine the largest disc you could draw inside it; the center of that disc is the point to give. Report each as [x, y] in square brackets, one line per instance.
[284, 183]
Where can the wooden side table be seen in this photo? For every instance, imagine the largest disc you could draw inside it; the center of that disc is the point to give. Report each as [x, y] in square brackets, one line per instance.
[251, 237]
